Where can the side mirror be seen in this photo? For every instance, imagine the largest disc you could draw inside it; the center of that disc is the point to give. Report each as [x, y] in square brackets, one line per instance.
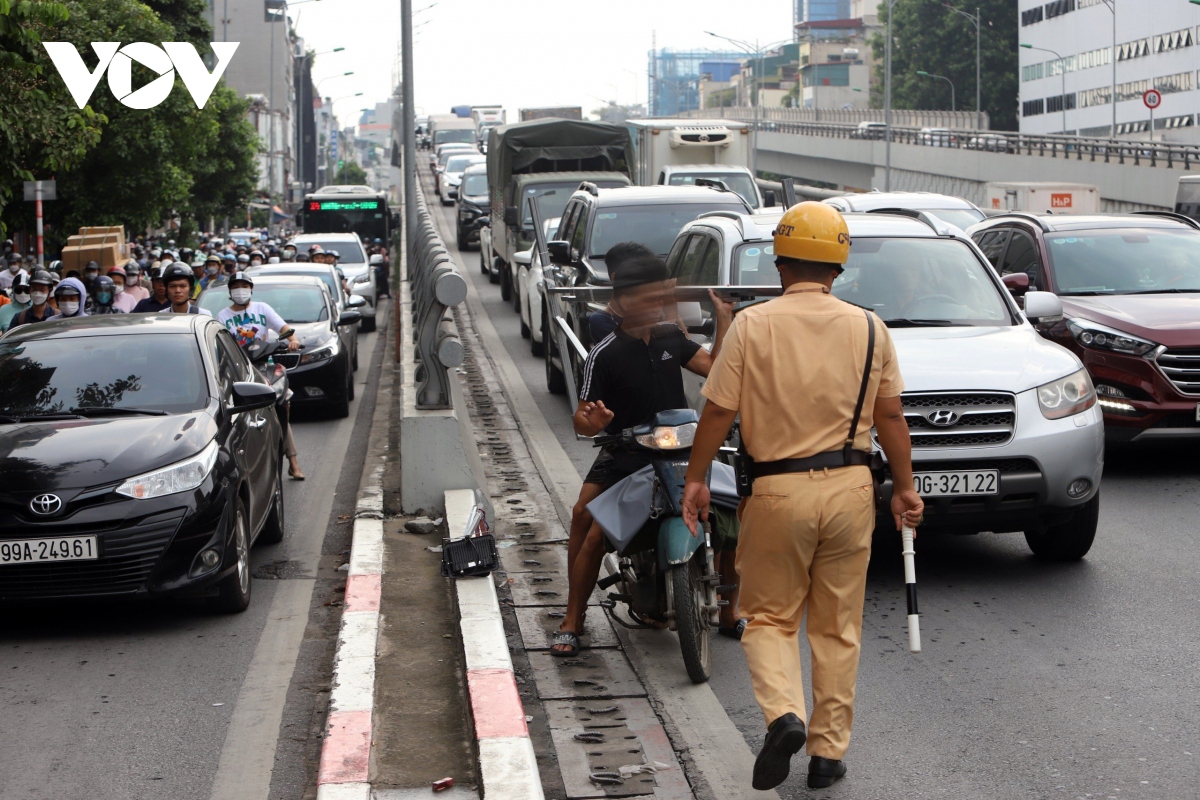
[356, 301]
[249, 396]
[559, 252]
[1017, 283]
[1043, 308]
[349, 317]
[512, 217]
[485, 222]
[768, 199]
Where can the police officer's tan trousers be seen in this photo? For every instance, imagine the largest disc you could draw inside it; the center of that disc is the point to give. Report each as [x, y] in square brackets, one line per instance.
[805, 541]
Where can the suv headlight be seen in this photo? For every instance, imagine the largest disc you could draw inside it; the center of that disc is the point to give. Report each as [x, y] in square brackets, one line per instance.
[1066, 396]
[1098, 337]
[180, 477]
[322, 353]
[674, 437]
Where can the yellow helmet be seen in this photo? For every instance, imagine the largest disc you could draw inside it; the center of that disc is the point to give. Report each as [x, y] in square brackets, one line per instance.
[813, 231]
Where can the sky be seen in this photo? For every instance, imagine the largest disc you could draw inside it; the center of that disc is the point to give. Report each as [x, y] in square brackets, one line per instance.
[517, 53]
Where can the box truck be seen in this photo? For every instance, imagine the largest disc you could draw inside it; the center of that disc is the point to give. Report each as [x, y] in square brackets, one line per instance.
[1042, 197]
[559, 112]
[680, 152]
[449, 128]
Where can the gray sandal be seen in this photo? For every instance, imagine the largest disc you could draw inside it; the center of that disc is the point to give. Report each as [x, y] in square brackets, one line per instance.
[568, 638]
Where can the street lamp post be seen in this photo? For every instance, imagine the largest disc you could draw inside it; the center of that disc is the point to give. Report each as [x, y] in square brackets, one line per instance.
[887, 98]
[977, 20]
[1062, 71]
[756, 51]
[941, 78]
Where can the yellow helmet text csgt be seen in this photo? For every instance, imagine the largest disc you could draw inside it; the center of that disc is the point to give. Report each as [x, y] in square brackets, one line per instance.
[813, 232]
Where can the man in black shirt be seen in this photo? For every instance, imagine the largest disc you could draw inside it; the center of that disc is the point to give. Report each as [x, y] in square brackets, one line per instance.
[631, 375]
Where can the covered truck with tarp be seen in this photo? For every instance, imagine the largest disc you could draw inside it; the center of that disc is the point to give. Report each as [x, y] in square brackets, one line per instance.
[582, 150]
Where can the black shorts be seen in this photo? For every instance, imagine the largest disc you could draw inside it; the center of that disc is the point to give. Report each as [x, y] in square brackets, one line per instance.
[613, 465]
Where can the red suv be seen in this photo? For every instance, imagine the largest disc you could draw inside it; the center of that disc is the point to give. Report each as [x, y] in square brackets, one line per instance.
[1130, 289]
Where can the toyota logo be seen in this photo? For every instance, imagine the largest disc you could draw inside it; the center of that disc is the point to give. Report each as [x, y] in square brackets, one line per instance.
[45, 504]
[942, 418]
[704, 137]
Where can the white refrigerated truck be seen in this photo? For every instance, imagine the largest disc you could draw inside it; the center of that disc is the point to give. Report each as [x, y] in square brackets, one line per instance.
[1042, 196]
[678, 152]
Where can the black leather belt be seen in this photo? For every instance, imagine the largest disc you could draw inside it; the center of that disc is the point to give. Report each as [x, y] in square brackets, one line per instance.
[834, 459]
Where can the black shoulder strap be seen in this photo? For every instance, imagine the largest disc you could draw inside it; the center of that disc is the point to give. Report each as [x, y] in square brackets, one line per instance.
[862, 389]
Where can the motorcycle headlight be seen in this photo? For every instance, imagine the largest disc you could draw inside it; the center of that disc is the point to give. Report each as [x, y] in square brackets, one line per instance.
[1098, 337]
[322, 353]
[674, 437]
[1066, 396]
[181, 477]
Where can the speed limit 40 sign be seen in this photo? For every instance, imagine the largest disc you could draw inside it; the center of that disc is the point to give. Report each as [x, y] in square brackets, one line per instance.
[1152, 98]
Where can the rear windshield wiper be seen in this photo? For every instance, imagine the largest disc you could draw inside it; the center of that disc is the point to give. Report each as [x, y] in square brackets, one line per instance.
[100, 411]
[923, 323]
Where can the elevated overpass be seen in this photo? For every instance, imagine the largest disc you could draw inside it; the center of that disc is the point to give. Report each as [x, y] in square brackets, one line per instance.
[1131, 175]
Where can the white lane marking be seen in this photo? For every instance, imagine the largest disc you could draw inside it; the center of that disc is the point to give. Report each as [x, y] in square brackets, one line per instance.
[721, 753]
[248, 755]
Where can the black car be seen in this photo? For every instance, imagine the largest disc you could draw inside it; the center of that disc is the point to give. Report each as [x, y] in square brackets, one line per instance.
[139, 455]
[473, 206]
[322, 371]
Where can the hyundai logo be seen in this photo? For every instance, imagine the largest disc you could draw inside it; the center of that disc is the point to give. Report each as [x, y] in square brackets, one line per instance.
[704, 137]
[45, 504]
[942, 418]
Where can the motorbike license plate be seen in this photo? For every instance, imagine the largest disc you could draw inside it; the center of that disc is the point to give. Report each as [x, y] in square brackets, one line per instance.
[966, 482]
[63, 548]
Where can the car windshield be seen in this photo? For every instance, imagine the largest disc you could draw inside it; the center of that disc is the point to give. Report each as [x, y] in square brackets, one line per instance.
[456, 152]
[475, 185]
[737, 182]
[296, 303]
[348, 252]
[1125, 261]
[553, 197]
[961, 218]
[150, 371]
[324, 275]
[914, 282]
[654, 226]
[754, 265]
[458, 135]
[459, 163]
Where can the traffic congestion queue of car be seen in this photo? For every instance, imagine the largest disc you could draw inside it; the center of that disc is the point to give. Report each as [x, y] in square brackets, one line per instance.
[145, 450]
[1026, 341]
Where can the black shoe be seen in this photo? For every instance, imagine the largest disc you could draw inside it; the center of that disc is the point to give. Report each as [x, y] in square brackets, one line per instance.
[785, 737]
[822, 772]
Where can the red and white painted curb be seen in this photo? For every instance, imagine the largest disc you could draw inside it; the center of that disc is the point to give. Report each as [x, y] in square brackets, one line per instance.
[507, 764]
[346, 751]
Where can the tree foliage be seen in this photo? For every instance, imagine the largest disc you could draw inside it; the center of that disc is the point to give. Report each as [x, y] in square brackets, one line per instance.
[41, 130]
[929, 36]
[149, 165]
[350, 173]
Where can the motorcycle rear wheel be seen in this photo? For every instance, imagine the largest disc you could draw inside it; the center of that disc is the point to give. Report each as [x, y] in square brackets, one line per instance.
[691, 619]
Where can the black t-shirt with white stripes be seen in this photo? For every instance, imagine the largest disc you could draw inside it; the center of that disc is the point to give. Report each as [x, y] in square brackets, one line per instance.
[636, 379]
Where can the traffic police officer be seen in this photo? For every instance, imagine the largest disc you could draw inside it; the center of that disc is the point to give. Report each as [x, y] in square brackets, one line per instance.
[799, 369]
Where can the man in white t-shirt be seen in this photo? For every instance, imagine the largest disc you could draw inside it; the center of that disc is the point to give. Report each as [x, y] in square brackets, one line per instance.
[11, 270]
[248, 320]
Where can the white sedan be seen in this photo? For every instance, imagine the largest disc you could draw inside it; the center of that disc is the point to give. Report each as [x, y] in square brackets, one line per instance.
[530, 292]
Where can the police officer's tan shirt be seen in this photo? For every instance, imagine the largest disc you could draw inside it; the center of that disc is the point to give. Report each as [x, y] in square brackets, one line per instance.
[793, 366]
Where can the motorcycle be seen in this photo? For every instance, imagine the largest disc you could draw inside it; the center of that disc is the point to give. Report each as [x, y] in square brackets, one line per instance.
[262, 357]
[661, 572]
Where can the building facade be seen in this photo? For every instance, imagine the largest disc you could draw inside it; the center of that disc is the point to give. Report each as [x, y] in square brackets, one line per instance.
[1066, 80]
[263, 71]
[674, 77]
[821, 10]
[836, 63]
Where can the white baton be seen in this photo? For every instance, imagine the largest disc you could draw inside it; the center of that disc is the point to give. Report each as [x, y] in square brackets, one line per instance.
[910, 586]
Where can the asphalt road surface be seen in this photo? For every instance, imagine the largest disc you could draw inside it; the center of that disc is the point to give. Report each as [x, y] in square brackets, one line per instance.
[1036, 680]
[167, 701]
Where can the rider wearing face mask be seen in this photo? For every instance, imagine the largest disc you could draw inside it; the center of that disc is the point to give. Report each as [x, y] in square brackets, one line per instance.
[39, 295]
[70, 296]
[20, 301]
[11, 271]
[248, 319]
[104, 293]
[123, 301]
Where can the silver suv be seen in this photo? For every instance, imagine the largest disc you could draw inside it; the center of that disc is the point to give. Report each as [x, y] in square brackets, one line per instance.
[1005, 428]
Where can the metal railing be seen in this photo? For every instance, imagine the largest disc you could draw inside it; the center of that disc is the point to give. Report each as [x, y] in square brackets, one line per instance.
[1079, 148]
[436, 287]
[906, 117]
